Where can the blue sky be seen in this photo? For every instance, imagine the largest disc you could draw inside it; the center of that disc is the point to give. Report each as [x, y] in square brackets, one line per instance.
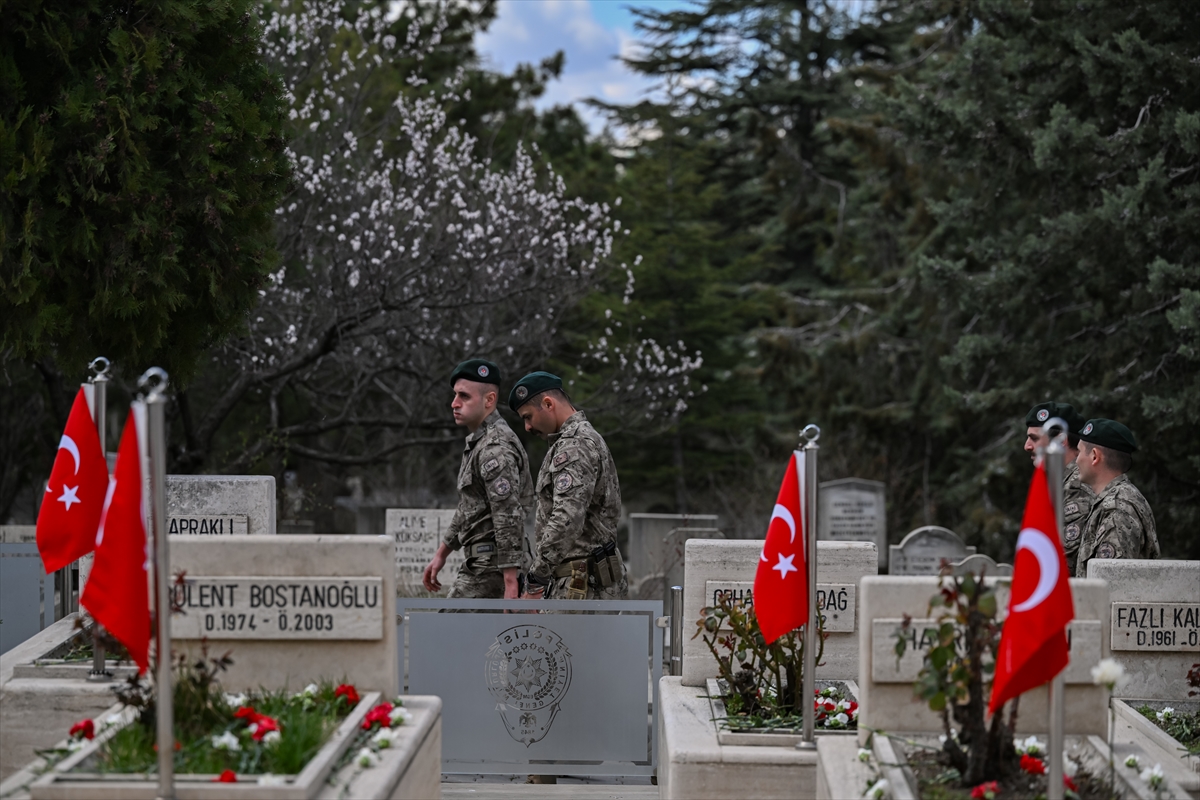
[592, 33]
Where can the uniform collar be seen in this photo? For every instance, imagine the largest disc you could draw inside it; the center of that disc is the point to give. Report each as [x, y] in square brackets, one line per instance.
[1115, 484]
[568, 427]
[488, 421]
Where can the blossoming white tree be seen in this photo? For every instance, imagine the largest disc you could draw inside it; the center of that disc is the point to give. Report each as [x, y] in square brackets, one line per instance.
[403, 252]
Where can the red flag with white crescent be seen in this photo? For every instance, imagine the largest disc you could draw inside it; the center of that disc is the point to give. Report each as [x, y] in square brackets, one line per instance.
[74, 499]
[1033, 642]
[781, 583]
[117, 592]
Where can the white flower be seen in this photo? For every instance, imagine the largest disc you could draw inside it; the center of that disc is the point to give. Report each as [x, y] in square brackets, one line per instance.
[1153, 776]
[76, 744]
[400, 716]
[366, 758]
[252, 728]
[235, 700]
[226, 741]
[383, 738]
[842, 718]
[267, 779]
[1133, 762]
[1069, 767]
[1108, 673]
[112, 719]
[878, 790]
[271, 737]
[1030, 746]
[311, 690]
[1165, 714]
[864, 754]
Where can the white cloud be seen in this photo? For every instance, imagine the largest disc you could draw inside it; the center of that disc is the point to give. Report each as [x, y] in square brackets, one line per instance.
[530, 30]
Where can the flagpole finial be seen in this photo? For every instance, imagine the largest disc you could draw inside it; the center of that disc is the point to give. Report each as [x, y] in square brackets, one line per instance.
[99, 365]
[154, 381]
[809, 435]
[1055, 430]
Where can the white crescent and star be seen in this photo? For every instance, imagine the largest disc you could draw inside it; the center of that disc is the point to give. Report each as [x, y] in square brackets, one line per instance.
[782, 512]
[785, 565]
[69, 496]
[68, 444]
[1039, 544]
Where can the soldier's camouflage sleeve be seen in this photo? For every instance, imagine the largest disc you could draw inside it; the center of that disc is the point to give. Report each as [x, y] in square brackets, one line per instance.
[573, 479]
[451, 538]
[501, 474]
[1126, 528]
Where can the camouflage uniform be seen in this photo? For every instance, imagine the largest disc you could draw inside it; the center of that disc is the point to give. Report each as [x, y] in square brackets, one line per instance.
[1120, 525]
[494, 489]
[1077, 502]
[578, 505]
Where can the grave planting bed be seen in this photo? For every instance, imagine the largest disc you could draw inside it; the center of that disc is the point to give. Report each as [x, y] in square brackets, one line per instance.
[736, 729]
[120, 760]
[1136, 721]
[914, 768]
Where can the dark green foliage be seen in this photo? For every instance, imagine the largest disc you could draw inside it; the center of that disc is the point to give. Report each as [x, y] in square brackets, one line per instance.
[142, 157]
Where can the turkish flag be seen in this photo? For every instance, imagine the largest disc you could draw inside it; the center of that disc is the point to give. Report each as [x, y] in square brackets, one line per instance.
[1033, 642]
[74, 499]
[781, 583]
[117, 593]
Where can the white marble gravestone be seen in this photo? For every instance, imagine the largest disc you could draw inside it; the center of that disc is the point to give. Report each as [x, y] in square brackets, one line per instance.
[417, 533]
[220, 505]
[854, 510]
[886, 685]
[649, 552]
[921, 551]
[1155, 623]
[720, 567]
[290, 610]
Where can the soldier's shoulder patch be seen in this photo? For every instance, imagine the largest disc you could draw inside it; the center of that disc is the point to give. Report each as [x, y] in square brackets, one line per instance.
[1106, 550]
[561, 458]
[1071, 508]
[502, 487]
[563, 482]
[490, 466]
[1072, 532]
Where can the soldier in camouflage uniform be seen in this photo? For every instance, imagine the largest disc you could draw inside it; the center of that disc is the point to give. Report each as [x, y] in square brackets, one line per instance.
[578, 499]
[1077, 496]
[1120, 524]
[494, 491]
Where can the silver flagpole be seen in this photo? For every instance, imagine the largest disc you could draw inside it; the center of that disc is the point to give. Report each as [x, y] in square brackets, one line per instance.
[154, 381]
[1053, 454]
[810, 435]
[98, 673]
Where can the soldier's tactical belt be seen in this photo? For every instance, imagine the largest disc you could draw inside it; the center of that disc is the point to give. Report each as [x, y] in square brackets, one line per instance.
[485, 550]
[602, 568]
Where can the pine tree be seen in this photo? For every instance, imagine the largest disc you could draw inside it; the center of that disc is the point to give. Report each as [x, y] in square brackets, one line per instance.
[142, 155]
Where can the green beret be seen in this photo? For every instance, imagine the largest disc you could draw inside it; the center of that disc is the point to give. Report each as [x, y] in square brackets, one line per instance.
[1110, 434]
[531, 386]
[1040, 414]
[479, 370]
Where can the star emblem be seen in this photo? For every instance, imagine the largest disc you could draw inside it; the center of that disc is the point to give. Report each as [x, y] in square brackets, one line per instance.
[68, 496]
[529, 672]
[785, 565]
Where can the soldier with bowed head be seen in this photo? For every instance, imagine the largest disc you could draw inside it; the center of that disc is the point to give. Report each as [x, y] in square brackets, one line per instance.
[494, 491]
[1077, 496]
[578, 499]
[1120, 524]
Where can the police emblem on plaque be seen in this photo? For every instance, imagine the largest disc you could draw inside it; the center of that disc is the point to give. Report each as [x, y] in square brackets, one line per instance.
[528, 672]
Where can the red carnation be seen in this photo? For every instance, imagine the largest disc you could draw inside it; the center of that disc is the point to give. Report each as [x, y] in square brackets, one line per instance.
[349, 692]
[1070, 784]
[247, 713]
[985, 791]
[381, 713]
[263, 726]
[1032, 765]
[84, 729]
[228, 776]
